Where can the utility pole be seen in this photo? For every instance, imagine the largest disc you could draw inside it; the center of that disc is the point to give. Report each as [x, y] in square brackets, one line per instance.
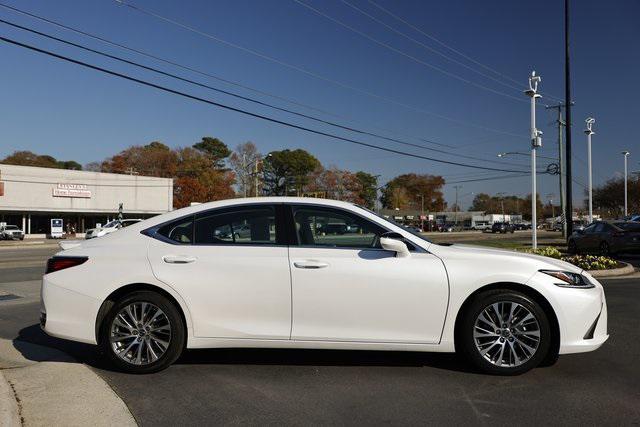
[625, 154]
[244, 177]
[457, 187]
[568, 207]
[536, 141]
[422, 212]
[561, 168]
[501, 195]
[589, 131]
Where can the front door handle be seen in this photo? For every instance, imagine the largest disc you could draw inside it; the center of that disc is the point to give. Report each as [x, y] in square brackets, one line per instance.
[178, 259]
[310, 264]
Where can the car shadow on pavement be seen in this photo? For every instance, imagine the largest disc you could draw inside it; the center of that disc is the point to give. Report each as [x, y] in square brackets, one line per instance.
[249, 356]
[89, 354]
[76, 352]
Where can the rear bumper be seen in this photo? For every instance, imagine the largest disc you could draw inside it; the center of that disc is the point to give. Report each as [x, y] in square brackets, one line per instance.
[67, 314]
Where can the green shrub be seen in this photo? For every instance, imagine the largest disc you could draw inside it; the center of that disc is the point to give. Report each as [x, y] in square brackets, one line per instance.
[550, 251]
[591, 262]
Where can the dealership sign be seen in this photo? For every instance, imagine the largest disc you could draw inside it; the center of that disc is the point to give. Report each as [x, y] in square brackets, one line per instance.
[72, 190]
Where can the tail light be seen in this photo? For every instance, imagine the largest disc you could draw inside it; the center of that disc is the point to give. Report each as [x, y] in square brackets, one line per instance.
[58, 263]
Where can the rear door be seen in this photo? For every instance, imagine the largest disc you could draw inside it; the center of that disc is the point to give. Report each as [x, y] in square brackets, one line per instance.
[231, 267]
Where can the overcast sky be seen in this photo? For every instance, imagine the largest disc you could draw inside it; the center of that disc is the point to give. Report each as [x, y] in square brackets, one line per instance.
[60, 109]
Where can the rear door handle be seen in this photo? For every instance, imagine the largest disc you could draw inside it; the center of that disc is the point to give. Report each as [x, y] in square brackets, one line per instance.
[310, 264]
[178, 259]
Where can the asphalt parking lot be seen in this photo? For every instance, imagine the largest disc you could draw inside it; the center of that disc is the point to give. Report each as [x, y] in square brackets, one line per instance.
[347, 387]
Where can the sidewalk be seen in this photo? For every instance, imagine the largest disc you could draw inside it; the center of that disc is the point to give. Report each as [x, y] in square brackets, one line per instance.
[41, 386]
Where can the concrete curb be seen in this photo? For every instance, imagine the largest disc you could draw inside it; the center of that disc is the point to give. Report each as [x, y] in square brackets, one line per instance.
[9, 412]
[622, 271]
[49, 388]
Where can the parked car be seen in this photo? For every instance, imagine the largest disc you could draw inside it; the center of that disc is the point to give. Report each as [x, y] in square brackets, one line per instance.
[502, 227]
[413, 228]
[11, 232]
[522, 226]
[481, 226]
[109, 227]
[606, 238]
[385, 288]
[446, 228]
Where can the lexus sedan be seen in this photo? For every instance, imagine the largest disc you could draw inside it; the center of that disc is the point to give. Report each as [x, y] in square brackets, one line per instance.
[606, 238]
[181, 283]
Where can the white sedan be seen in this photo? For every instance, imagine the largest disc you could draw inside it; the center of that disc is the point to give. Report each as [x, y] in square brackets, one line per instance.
[187, 279]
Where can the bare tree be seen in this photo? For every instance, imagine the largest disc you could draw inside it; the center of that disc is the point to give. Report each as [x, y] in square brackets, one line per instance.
[245, 162]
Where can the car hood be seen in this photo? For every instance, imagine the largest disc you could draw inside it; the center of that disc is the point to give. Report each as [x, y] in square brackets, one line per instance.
[508, 257]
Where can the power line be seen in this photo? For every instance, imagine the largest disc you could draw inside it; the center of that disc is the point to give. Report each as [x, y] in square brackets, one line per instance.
[310, 73]
[213, 76]
[487, 179]
[467, 57]
[406, 55]
[429, 48]
[397, 141]
[245, 112]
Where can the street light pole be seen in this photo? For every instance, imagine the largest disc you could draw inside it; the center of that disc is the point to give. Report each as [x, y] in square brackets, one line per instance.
[536, 141]
[589, 131]
[625, 154]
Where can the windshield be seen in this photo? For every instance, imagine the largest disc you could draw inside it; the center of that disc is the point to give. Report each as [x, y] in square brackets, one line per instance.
[111, 224]
[11, 227]
[415, 233]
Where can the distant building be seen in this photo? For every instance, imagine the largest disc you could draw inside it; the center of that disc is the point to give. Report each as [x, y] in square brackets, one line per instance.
[467, 220]
[30, 197]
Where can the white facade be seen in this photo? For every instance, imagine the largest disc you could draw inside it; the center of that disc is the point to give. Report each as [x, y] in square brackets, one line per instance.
[34, 193]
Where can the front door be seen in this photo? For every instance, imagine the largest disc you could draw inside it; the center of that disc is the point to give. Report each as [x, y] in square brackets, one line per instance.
[346, 288]
[231, 267]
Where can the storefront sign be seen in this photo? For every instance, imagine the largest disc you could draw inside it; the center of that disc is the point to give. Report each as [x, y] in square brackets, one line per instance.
[72, 190]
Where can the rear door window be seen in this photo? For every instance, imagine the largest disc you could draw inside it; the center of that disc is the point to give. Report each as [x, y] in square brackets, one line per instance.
[242, 225]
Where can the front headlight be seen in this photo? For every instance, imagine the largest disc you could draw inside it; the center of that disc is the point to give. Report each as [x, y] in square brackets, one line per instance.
[567, 279]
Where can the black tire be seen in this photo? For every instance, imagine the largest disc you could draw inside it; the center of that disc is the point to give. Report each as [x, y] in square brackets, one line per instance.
[177, 337]
[572, 248]
[605, 249]
[466, 343]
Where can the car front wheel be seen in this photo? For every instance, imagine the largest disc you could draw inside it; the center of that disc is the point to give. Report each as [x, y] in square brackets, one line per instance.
[142, 333]
[504, 332]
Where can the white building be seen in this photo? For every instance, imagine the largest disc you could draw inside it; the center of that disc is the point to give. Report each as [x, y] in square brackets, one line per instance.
[31, 196]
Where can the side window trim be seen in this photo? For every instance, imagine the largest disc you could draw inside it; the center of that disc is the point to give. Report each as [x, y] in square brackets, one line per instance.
[281, 221]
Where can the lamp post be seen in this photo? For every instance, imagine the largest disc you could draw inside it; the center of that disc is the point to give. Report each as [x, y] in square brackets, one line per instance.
[589, 131]
[536, 141]
[421, 212]
[625, 154]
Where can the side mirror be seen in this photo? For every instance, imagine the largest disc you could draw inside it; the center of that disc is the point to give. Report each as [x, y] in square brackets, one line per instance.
[392, 242]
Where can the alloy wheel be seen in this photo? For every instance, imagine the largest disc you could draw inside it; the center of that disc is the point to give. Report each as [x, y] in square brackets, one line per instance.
[506, 334]
[140, 333]
[604, 248]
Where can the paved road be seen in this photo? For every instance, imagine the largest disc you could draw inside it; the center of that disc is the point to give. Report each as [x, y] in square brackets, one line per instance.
[333, 387]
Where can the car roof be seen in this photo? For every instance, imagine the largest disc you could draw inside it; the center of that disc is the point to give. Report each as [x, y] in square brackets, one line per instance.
[178, 213]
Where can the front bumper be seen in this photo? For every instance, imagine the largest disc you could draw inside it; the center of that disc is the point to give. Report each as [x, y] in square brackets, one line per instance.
[581, 313]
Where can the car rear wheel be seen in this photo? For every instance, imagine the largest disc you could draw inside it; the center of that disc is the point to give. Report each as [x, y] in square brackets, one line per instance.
[504, 332]
[605, 250]
[142, 333]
